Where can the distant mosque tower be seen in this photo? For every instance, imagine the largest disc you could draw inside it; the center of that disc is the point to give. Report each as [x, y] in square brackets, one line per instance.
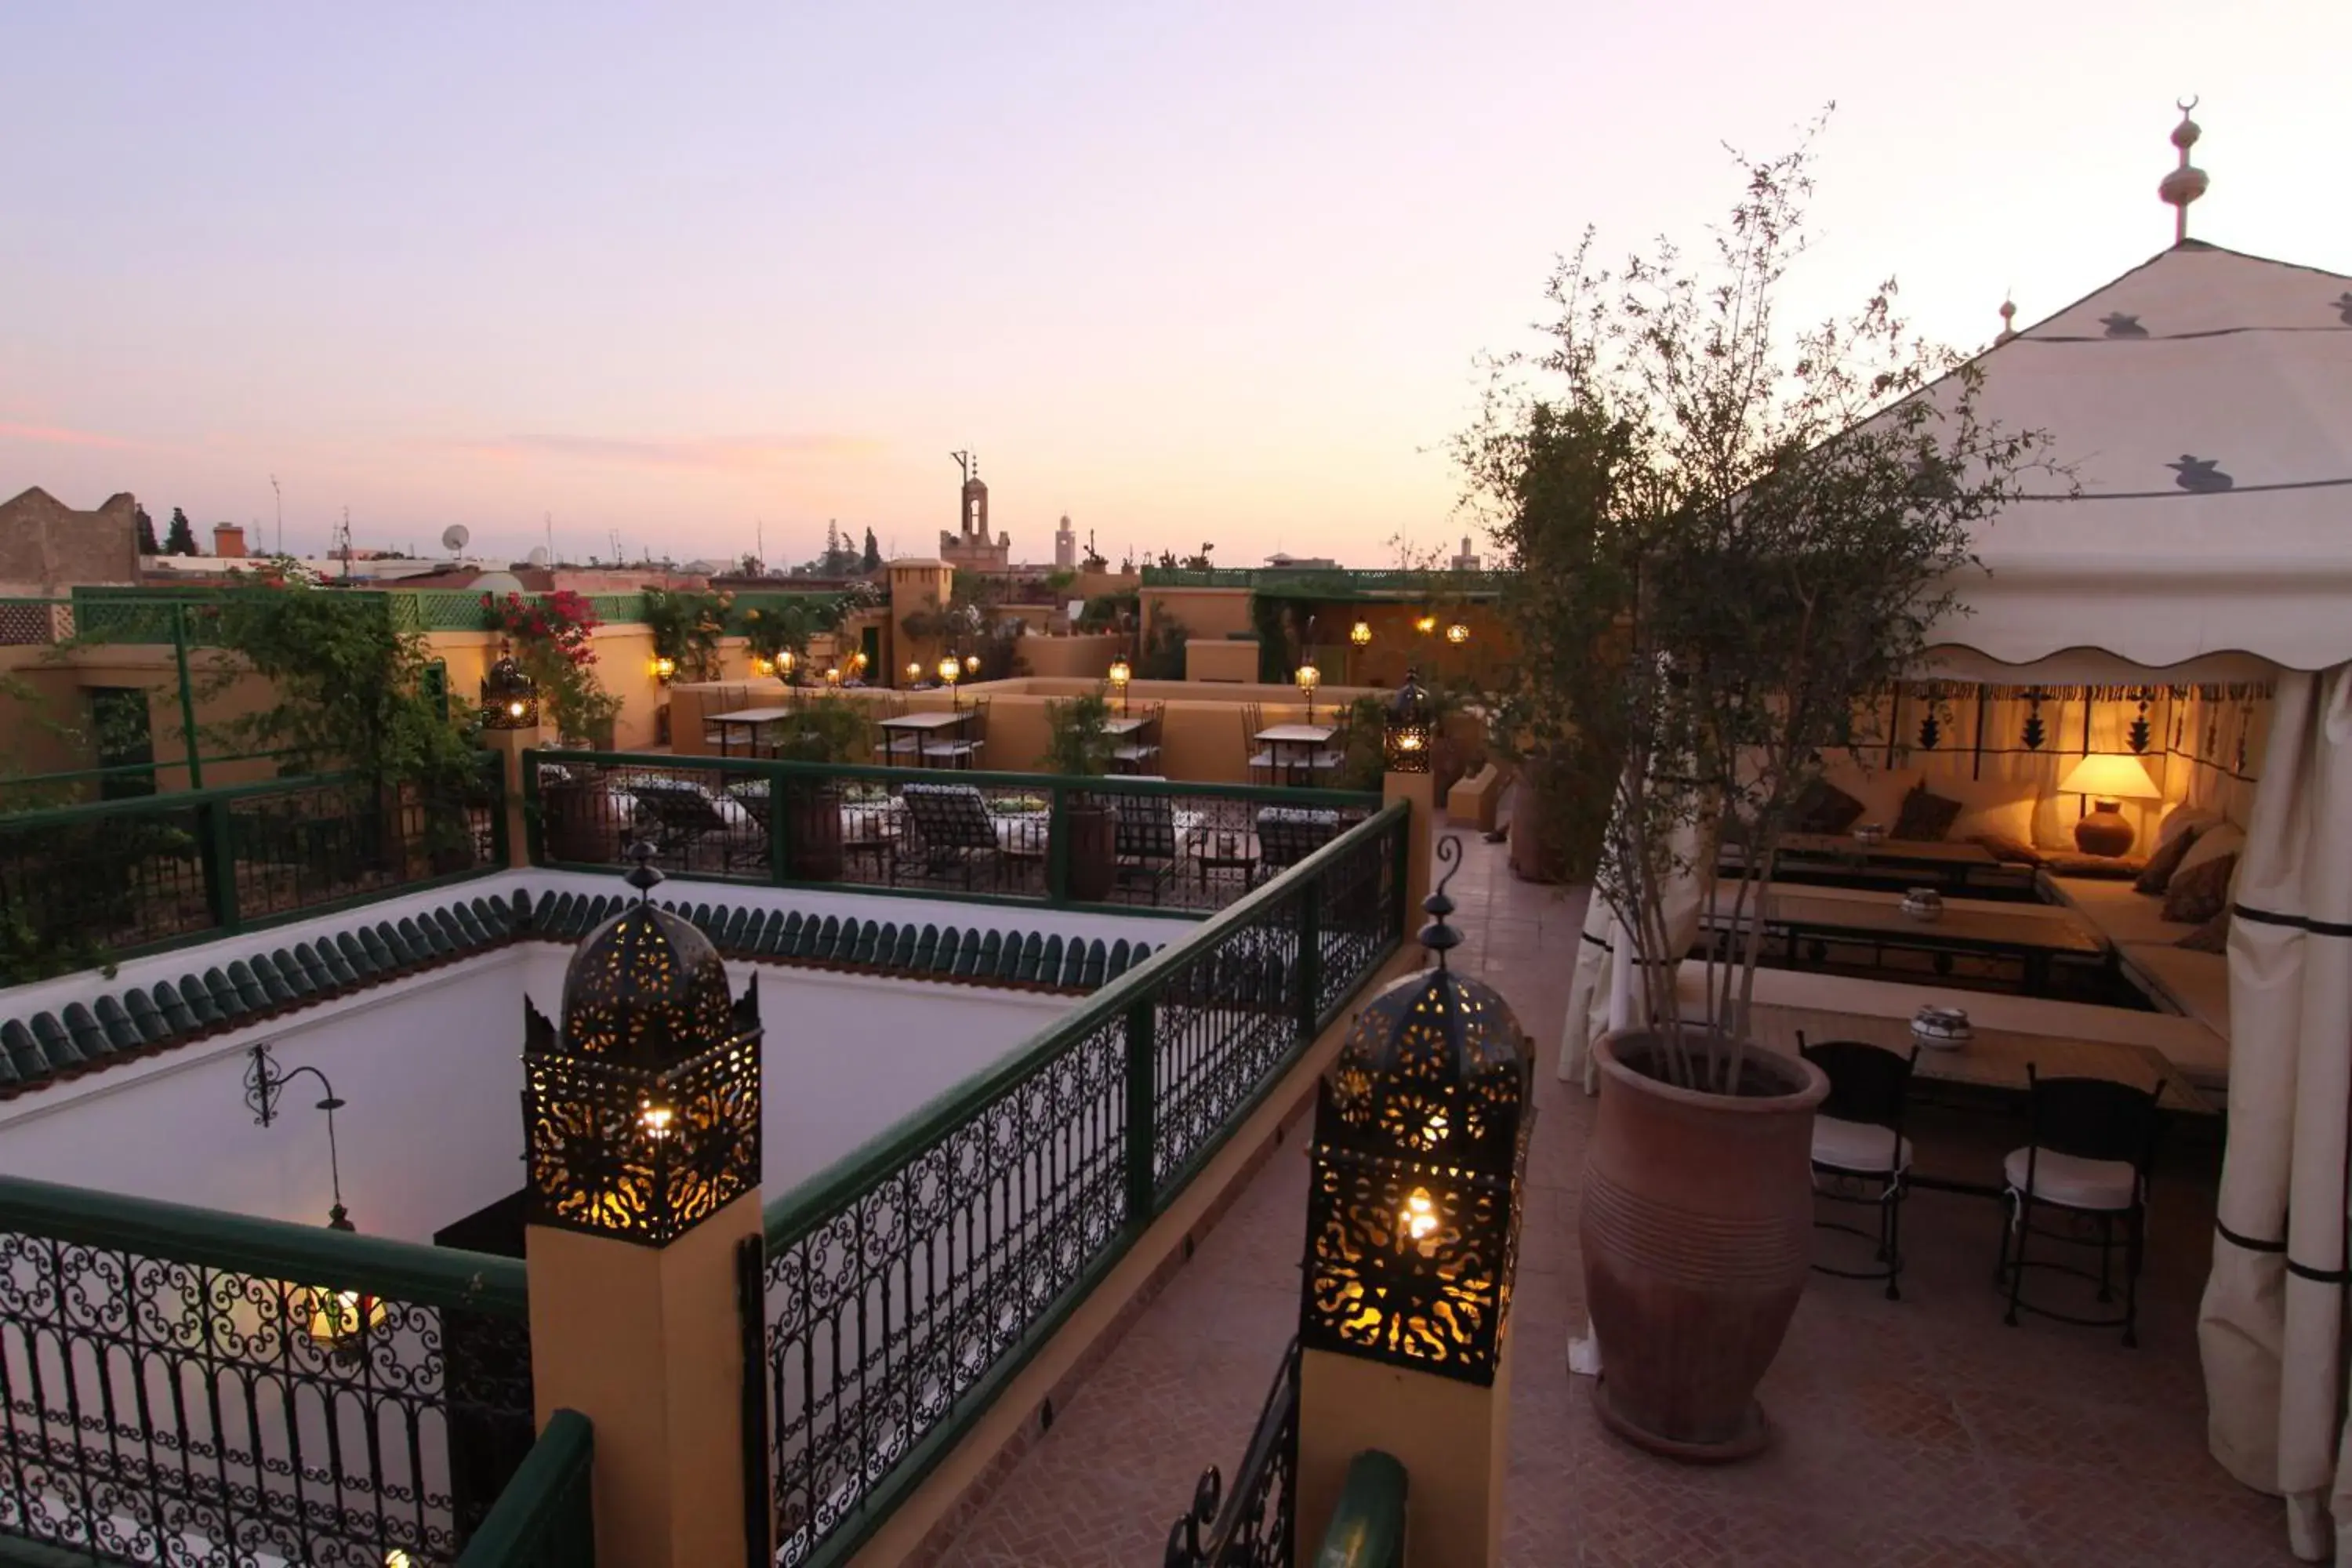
[1466, 562]
[971, 545]
[1066, 545]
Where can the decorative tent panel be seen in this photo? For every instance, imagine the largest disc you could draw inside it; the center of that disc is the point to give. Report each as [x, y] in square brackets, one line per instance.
[2202, 405]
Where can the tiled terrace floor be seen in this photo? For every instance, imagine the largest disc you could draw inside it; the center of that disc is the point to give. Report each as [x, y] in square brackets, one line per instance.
[1912, 1434]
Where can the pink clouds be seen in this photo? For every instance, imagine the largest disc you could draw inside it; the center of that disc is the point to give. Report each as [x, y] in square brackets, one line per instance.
[56, 435]
[724, 453]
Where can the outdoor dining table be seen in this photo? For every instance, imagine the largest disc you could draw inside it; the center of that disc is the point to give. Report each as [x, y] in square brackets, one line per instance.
[928, 726]
[1309, 739]
[2034, 935]
[746, 719]
[1993, 1059]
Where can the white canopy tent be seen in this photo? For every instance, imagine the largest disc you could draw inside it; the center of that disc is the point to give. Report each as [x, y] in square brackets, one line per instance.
[2203, 406]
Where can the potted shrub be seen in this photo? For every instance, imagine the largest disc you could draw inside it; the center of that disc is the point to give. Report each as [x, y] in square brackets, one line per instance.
[1078, 745]
[822, 728]
[1728, 549]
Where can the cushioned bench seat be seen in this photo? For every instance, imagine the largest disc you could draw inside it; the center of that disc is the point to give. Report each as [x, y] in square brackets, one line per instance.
[2194, 985]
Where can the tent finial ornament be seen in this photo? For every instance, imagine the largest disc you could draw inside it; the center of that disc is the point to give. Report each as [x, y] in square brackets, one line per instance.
[2186, 183]
[2007, 321]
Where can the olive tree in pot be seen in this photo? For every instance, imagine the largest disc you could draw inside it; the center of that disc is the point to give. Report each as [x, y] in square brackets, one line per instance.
[1739, 545]
[821, 728]
[1078, 745]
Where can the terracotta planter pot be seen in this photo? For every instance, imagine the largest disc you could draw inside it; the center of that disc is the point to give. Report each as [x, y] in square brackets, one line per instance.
[1094, 850]
[813, 832]
[1697, 1221]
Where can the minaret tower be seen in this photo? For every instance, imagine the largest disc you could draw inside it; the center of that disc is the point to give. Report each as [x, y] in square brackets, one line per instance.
[2186, 183]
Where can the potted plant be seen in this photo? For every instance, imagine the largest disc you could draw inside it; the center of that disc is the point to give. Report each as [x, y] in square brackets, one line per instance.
[830, 729]
[1078, 745]
[554, 640]
[1730, 549]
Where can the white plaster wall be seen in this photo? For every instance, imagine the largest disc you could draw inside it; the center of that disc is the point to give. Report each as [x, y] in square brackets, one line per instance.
[431, 1068]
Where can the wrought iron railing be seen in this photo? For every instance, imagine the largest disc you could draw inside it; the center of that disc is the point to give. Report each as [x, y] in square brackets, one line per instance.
[86, 884]
[187, 1387]
[902, 1288]
[546, 1517]
[1256, 1525]
[1027, 837]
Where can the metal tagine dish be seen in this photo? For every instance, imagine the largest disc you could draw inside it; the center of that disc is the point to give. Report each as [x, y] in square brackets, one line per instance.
[1941, 1029]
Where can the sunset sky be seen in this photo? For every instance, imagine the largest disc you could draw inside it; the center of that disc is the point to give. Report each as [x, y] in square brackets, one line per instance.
[1186, 271]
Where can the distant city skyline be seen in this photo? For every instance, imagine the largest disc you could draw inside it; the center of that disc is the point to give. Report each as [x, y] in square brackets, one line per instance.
[1212, 273]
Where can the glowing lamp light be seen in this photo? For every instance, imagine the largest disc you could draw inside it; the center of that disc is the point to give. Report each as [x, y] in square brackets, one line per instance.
[2109, 780]
[1426, 625]
[785, 661]
[664, 666]
[396, 1558]
[914, 669]
[972, 664]
[1457, 634]
[1120, 674]
[832, 675]
[509, 698]
[858, 661]
[1308, 677]
[1418, 1168]
[1410, 727]
[1361, 634]
[762, 666]
[335, 1320]
[656, 1119]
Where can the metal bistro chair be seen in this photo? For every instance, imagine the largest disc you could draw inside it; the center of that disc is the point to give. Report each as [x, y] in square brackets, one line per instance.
[894, 748]
[962, 750]
[1860, 1154]
[2091, 1145]
[677, 817]
[1146, 842]
[717, 700]
[1287, 834]
[948, 828]
[1261, 758]
[1140, 755]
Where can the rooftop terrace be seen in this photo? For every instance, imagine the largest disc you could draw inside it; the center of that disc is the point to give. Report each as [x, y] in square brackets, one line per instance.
[1919, 1431]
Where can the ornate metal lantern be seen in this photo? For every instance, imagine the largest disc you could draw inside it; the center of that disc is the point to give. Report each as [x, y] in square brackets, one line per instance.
[643, 1116]
[1458, 632]
[1121, 672]
[1411, 727]
[1308, 677]
[664, 666]
[1361, 634]
[509, 698]
[1421, 1139]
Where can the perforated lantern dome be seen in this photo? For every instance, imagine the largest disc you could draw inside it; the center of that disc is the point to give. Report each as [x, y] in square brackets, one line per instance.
[1421, 1137]
[1411, 727]
[642, 1112]
[510, 697]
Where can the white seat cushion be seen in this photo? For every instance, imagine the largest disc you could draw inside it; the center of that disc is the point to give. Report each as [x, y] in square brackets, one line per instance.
[2071, 1180]
[1859, 1147]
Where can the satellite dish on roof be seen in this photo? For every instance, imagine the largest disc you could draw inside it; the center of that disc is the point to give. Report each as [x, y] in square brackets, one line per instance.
[539, 556]
[454, 537]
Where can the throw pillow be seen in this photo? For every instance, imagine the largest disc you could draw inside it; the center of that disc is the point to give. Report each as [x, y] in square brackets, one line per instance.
[2226, 838]
[2199, 892]
[2213, 936]
[2186, 818]
[2166, 860]
[1824, 808]
[1925, 817]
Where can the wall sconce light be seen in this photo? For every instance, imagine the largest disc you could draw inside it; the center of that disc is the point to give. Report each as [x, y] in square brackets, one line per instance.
[1361, 634]
[1409, 731]
[1458, 632]
[971, 664]
[1418, 1167]
[832, 675]
[1308, 677]
[664, 666]
[858, 661]
[914, 671]
[335, 1320]
[1120, 674]
[762, 666]
[510, 697]
[1426, 625]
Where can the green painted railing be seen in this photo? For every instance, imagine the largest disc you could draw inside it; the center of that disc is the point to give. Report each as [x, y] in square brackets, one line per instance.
[179, 1375]
[1170, 846]
[1253, 1523]
[1367, 1528]
[93, 883]
[905, 1286]
[546, 1518]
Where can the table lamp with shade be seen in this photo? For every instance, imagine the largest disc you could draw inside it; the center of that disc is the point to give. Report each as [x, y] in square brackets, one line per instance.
[2109, 779]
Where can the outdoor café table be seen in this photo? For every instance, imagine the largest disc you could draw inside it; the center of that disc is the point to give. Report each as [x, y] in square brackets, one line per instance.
[750, 720]
[2031, 934]
[1119, 729]
[1995, 1060]
[931, 725]
[1309, 739]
